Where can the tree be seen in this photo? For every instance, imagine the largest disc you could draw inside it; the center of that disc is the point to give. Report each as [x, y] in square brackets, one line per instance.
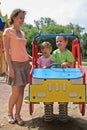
[30, 33]
[44, 22]
[76, 28]
[84, 45]
[49, 26]
[54, 29]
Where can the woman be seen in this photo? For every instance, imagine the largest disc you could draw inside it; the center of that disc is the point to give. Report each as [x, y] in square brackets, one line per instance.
[18, 64]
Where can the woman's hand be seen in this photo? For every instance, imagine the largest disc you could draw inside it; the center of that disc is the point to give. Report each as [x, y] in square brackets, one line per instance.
[11, 73]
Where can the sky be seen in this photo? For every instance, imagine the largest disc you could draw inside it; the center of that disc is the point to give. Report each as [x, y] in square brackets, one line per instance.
[61, 11]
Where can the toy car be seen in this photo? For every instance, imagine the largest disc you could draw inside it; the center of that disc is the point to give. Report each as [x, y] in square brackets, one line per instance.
[62, 85]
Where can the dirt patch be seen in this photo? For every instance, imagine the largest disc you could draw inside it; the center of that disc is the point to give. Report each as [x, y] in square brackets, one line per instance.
[35, 122]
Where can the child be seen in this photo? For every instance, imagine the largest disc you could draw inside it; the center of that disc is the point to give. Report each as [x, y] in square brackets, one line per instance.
[45, 60]
[62, 55]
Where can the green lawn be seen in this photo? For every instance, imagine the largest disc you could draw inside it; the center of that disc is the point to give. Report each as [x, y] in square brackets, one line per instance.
[84, 63]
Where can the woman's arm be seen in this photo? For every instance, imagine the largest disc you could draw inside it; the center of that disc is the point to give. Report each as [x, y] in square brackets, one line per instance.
[8, 58]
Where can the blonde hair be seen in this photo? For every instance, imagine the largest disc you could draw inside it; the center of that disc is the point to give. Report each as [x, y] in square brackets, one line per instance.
[46, 45]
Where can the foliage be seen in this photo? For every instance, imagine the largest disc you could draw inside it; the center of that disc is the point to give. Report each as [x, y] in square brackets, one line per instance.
[84, 45]
[44, 22]
[49, 26]
[30, 33]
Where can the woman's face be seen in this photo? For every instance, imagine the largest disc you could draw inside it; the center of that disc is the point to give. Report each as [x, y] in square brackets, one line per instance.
[19, 19]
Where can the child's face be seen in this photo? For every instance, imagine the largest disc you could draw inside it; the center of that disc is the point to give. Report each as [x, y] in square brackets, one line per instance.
[46, 52]
[61, 43]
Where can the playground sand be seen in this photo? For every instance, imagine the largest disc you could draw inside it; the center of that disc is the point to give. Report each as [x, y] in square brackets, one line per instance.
[35, 122]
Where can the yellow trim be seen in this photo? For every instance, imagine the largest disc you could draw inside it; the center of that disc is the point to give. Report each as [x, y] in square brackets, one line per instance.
[57, 91]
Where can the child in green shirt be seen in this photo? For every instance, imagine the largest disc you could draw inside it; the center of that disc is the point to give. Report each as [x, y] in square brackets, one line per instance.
[62, 55]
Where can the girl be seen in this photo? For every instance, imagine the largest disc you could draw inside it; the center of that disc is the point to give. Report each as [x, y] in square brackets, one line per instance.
[45, 59]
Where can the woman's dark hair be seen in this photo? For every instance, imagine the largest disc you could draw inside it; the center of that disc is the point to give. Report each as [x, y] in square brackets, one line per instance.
[15, 13]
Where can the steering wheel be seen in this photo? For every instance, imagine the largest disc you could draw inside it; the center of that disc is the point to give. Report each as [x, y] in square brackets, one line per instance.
[54, 64]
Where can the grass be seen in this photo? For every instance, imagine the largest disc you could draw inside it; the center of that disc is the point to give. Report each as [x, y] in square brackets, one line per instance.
[84, 63]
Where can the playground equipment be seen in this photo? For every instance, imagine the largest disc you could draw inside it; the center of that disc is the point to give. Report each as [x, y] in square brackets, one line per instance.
[3, 24]
[1, 53]
[62, 85]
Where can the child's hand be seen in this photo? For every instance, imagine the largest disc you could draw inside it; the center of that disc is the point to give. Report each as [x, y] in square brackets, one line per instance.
[45, 67]
[39, 54]
[64, 65]
[67, 65]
